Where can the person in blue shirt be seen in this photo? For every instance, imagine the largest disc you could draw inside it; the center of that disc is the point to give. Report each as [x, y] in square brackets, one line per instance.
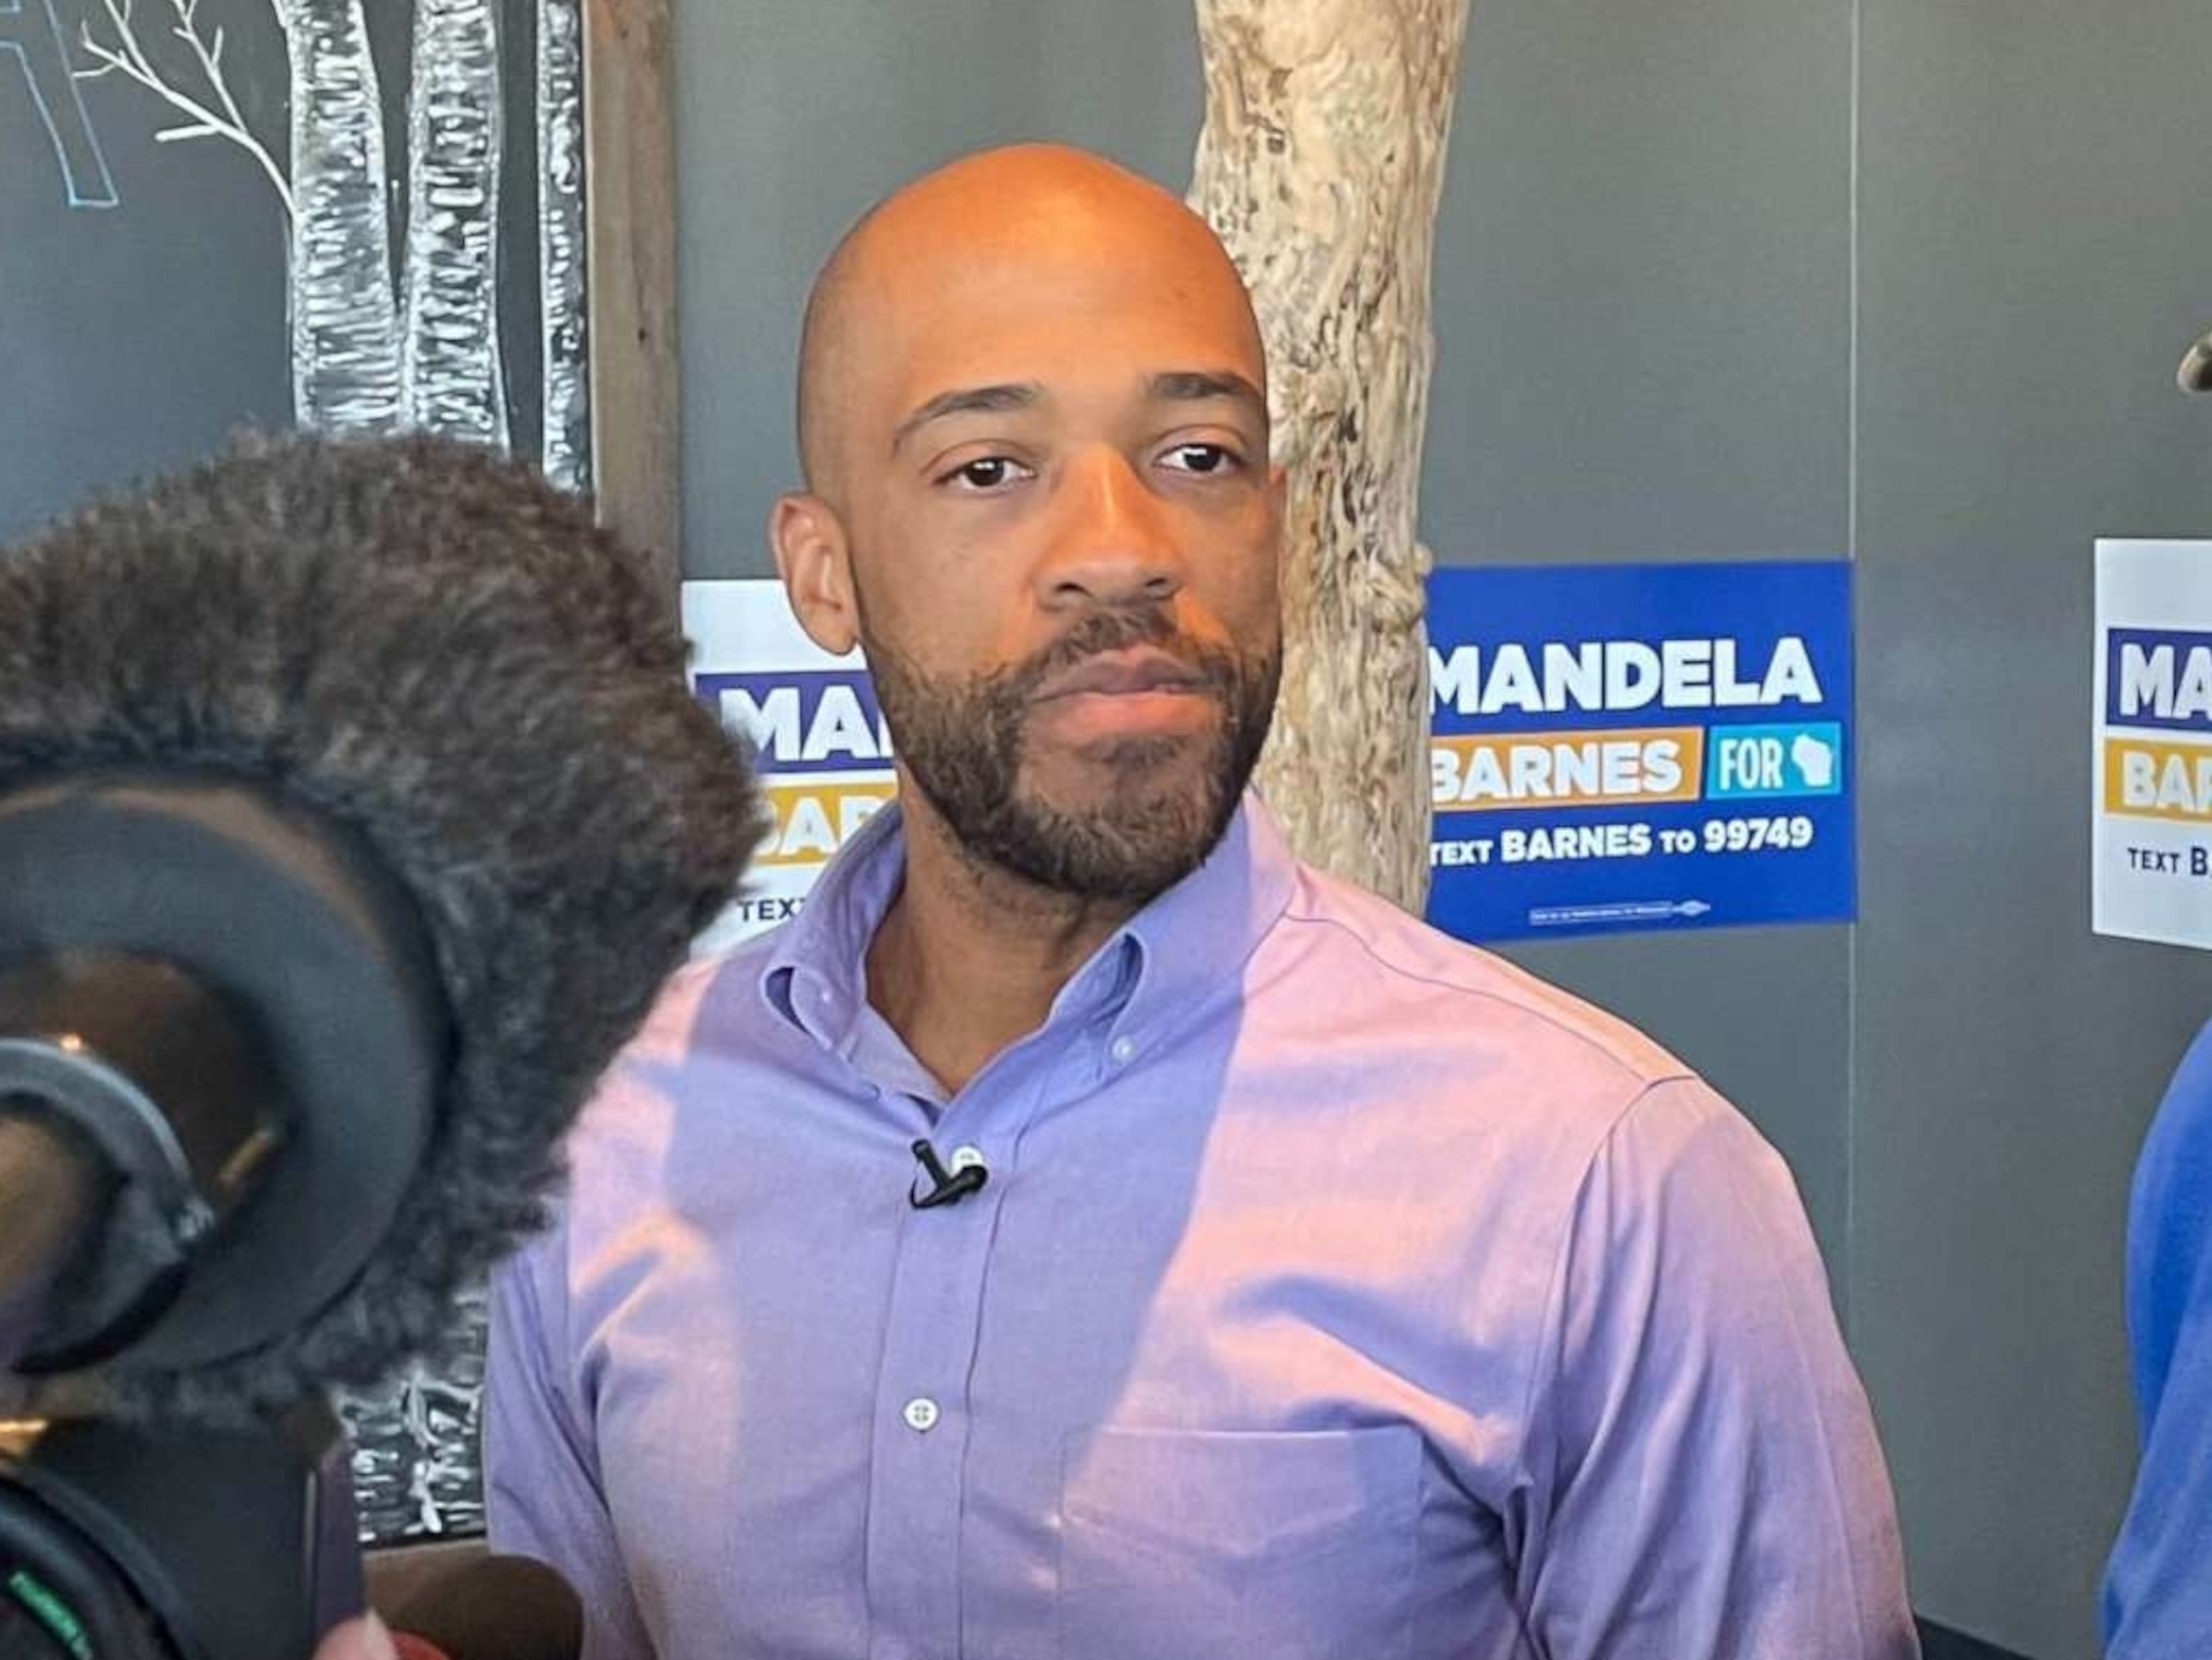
[2158, 1585]
[1337, 1291]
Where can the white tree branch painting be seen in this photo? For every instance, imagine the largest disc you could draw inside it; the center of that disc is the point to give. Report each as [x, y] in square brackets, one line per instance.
[212, 114]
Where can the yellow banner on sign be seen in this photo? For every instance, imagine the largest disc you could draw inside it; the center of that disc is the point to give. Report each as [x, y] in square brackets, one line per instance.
[1616, 767]
[2158, 779]
[815, 817]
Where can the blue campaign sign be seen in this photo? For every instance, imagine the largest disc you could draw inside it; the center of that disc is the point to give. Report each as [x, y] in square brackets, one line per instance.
[1640, 745]
[802, 720]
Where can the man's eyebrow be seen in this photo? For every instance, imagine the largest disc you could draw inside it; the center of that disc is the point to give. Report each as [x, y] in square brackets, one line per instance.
[968, 400]
[1204, 385]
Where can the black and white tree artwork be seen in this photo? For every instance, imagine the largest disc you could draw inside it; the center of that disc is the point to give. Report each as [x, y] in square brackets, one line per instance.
[449, 370]
[394, 285]
[345, 324]
[379, 342]
[565, 451]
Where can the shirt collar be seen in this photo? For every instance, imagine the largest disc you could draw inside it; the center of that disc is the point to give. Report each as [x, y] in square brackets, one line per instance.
[817, 975]
[1166, 963]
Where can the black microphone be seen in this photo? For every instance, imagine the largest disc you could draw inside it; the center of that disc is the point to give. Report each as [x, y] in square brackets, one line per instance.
[494, 1608]
[946, 1186]
[353, 809]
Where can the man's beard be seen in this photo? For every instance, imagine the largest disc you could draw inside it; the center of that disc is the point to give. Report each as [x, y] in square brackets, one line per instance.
[961, 739]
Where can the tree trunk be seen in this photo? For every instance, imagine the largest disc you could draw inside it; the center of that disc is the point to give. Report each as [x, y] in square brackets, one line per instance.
[451, 365]
[561, 246]
[345, 333]
[1320, 166]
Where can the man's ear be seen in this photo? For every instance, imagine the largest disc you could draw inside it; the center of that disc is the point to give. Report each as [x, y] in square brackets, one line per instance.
[815, 561]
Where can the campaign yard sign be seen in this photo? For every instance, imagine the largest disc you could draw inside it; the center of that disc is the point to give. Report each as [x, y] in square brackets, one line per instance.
[814, 727]
[1635, 747]
[2151, 798]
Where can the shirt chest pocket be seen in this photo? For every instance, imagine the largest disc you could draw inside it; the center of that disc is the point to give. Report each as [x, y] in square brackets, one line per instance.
[1180, 1545]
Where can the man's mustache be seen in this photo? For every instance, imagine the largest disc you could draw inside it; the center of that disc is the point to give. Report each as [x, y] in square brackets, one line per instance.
[1104, 632]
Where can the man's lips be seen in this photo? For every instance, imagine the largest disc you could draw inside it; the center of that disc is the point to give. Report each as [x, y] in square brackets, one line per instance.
[1123, 674]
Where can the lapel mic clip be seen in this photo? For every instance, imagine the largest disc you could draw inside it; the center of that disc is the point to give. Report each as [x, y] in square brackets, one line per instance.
[946, 1186]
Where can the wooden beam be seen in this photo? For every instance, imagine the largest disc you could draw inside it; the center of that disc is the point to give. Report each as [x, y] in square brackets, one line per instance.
[630, 205]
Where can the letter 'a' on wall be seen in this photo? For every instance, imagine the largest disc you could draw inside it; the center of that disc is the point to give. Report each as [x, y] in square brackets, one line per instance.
[2151, 791]
[1627, 747]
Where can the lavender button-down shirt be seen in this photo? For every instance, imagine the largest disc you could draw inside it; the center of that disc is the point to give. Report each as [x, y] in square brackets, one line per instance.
[1337, 1293]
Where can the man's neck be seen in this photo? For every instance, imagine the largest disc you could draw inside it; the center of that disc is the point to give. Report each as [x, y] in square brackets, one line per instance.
[968, 957]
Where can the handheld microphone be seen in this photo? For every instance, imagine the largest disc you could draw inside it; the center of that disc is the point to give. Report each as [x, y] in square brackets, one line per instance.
[353, 809]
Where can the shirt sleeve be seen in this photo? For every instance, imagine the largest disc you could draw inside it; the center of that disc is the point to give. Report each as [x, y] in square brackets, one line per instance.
[1705, 1480]
[543, 1497]
[2158, 1585]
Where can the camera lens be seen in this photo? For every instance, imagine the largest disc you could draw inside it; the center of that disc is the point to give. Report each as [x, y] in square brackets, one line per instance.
[61, 1599]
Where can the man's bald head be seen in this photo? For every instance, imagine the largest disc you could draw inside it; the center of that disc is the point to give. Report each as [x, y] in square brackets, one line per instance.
[1006, 204]
[1035, 420]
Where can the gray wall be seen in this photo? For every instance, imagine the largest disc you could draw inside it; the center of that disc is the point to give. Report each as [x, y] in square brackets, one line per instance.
[1643, 353]
[1719, 279]
[792, 118]
[2034, 257]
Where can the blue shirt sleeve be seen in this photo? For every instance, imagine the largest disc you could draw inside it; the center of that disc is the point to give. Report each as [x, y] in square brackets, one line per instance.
[2158, 1585]
[1707, 1479]
[542, 1494]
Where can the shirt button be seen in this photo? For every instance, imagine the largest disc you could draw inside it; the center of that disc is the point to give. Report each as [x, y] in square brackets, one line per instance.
[921, 1415]
[967, 1158]
[1123, 1051]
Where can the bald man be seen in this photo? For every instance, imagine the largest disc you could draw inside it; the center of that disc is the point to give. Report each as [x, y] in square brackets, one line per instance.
[1278, 1278]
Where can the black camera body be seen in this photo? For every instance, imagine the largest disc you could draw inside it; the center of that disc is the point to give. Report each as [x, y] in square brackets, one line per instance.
[120, 1543]
[182, 1057]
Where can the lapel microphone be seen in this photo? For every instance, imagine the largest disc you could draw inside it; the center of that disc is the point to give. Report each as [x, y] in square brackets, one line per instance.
[946, 1186]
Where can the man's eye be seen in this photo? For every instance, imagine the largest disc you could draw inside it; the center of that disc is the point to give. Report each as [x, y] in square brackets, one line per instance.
[985, 473]
[1201, 458]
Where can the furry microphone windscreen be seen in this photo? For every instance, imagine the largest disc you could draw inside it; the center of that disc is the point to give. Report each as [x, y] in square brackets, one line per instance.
[432, 647]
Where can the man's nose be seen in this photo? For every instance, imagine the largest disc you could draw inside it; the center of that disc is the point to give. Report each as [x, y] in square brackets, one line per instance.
[1112, 543]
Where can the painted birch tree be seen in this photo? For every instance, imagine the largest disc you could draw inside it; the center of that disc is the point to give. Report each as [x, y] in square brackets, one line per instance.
[372, 350]
[344, 318]
[368, 356]
[451, 366]
[566, 449]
